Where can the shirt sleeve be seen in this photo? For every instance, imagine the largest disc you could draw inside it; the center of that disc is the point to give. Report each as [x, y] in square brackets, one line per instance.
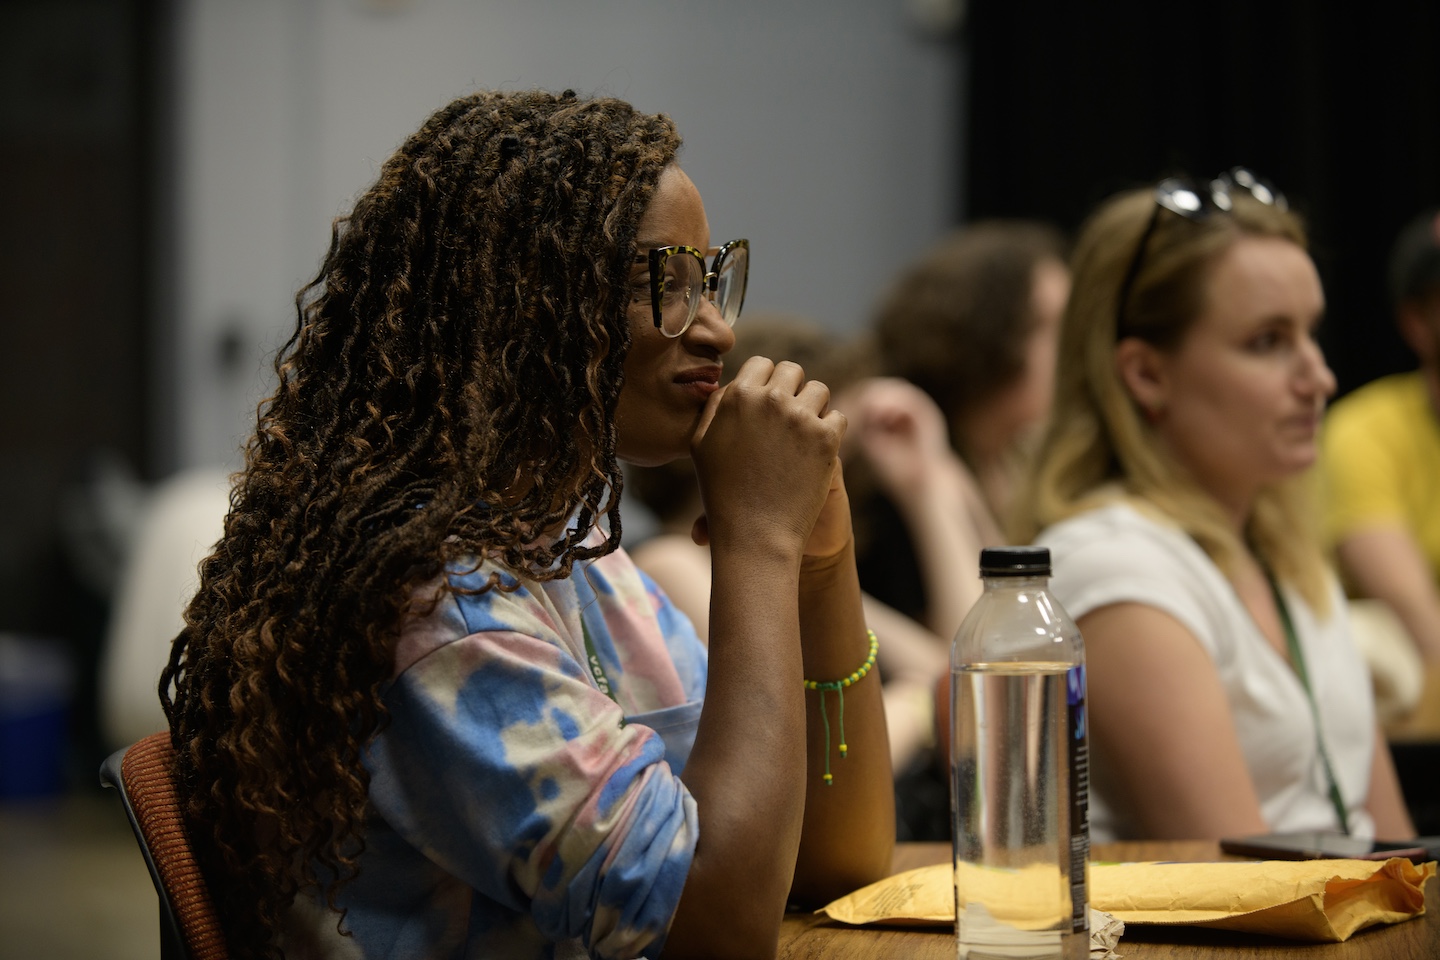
[688, 655]
[503, 765]
[1099, 560]
[1362, 482]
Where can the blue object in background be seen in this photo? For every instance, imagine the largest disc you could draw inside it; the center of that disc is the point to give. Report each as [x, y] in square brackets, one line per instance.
[36, 684]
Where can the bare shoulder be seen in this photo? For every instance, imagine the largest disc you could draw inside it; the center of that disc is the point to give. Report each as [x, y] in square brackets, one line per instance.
[1139, 630]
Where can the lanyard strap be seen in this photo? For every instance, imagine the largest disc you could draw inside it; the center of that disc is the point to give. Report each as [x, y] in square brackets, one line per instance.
[1297, 659]
[592, 660]
[589, 605]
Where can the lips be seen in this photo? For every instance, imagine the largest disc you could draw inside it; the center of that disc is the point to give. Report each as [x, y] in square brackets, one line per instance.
[700, 382]
[710, 375]
[1304, 427]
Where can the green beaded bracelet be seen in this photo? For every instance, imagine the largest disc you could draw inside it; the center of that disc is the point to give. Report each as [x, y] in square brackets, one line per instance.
[838, 688]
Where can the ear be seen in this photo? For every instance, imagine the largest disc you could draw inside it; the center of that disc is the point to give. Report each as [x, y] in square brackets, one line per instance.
[1141, 370]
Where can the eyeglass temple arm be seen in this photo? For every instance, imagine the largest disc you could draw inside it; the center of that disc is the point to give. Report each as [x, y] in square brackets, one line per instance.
[1134, 270]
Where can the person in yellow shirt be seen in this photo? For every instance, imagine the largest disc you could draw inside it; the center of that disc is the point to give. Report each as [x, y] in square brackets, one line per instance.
[1381, 458]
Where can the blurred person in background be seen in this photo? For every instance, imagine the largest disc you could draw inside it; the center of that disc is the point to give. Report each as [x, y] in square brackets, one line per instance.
[1381, 458]
[1226, 697]
[964, 343]
[962, 362]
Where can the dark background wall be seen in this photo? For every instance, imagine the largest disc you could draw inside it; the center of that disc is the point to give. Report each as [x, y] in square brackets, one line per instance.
[77, 138]
[1337, 105]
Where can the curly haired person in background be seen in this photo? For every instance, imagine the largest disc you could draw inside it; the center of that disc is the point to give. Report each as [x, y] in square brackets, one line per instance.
[965, 342]
[1226, 695]
[422, 699]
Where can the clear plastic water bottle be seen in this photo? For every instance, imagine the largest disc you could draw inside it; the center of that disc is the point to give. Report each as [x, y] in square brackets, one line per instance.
[1019, 767]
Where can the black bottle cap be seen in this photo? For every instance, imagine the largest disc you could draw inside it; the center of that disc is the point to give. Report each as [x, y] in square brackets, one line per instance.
[1015, 562]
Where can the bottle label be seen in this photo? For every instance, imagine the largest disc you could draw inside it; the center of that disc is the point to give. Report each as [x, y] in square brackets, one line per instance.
[1079, 761]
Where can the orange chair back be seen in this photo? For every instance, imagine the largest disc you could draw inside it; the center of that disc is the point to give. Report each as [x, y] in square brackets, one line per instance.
[146, 781]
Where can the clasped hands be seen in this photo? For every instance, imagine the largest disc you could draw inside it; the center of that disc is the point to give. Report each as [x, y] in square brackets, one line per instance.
[767, 453]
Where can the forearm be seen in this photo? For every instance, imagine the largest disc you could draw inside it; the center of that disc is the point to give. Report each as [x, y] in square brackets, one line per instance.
[913, 659]
[1386, 802]
[1419, 612]
[766, 453]
[910, 651]
[947, 546]
[849, 826]
[743, 767]
[1385, 563]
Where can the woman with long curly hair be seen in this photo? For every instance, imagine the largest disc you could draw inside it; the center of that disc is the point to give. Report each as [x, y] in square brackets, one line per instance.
[423, 703]
[1225, 695]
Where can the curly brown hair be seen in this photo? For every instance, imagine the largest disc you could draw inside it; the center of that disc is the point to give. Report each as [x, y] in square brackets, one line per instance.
[449, 392]
[956, 323]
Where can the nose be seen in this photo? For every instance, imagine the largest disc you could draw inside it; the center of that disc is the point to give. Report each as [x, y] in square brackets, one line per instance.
[1317, 373]
[709, 329]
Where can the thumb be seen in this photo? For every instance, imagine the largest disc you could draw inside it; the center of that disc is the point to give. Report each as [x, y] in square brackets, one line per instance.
[700, 531]
[706, 415]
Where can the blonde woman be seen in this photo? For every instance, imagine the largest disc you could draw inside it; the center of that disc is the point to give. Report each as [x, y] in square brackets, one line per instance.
[1226, 696]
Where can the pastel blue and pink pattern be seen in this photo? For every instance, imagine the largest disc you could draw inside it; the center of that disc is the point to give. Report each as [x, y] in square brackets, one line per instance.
[518, 810]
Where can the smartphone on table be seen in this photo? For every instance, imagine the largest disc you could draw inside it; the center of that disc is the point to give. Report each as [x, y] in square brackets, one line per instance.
[1320, 845]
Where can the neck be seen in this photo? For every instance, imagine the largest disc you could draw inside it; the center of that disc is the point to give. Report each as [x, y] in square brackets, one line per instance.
[1236, 499]
[1237, 509]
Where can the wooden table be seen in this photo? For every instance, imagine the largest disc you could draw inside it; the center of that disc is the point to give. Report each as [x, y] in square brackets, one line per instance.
[804, 936]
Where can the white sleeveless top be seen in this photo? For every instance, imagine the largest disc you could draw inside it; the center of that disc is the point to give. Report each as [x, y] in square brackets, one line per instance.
[1116, 554]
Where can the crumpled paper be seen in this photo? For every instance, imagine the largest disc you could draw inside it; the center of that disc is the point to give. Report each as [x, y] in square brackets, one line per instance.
[926, 897]
[1316, 900]
[1321, 900]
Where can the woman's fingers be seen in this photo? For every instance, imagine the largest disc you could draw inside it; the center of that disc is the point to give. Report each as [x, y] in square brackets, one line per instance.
[765, 451]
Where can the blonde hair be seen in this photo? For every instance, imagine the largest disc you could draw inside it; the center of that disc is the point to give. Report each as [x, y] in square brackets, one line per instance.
[1099, 448]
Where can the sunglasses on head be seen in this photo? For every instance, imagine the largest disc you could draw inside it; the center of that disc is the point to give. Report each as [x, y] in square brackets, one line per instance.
[1194, 201]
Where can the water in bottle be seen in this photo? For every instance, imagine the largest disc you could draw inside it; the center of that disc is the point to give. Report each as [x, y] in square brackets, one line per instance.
[1019, 768]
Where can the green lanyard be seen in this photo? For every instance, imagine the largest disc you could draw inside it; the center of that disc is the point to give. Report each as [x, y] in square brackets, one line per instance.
[592, 660]
[1298, 661]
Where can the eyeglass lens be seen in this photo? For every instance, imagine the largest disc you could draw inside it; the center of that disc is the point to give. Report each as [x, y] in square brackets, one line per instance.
[684, 283]
[731, 274]
[680, 292]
